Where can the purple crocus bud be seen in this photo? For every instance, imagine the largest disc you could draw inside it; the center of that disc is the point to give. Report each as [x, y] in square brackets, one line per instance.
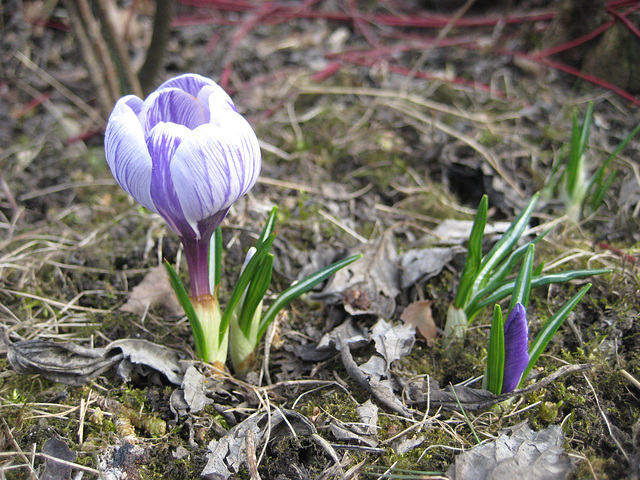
[186, 154]
[516, 341]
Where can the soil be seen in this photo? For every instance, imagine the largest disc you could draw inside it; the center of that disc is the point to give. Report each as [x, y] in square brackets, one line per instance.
[366, 129]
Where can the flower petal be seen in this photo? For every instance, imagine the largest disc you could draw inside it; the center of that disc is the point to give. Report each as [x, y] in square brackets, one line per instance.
[215, 167]
[216, 99]
[516, 341]
[172, 106]
[126, 150]
[191, 83]
[162, 143]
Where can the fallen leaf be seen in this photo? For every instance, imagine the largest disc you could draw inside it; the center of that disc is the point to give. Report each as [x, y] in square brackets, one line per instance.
[393, 341]
[419, 265]
[525, 455]
[419, 315]
[71, 364]
[228, 454]
[154, 291]
[56, 448]
[371, 283]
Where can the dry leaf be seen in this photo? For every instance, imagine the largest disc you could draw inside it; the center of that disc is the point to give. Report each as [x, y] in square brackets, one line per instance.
[419, 315]
[370, 285]
[154, 291]
[525, 454]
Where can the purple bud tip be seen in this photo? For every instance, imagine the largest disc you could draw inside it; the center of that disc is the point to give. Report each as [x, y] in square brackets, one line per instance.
[516, 342]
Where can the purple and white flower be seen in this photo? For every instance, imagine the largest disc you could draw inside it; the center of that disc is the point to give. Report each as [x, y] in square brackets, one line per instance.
[516, 341]
[186, 154]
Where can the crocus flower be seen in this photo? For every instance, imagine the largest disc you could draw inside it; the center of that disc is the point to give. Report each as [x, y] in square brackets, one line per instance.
[516, 340]
[188, 155]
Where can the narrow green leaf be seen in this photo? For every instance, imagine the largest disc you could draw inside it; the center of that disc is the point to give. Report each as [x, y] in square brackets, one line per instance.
[185, 302]
[495, 356]
[297, 289]
[506, 243]
[474, 254]
[255, 293]
[268, 227]
[537, 281]
[246, 276]
[549, 329]
[497, 277]
[599, 173]
[538, 270]
[522, 286]
[575, 163]
[599, 193]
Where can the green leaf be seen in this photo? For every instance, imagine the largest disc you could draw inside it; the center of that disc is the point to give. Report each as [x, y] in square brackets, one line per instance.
[268, 227]
[536, 281]
[247, 275]
[297, 289]
[506, 243]
[522, 286]
[598, 175]
[495, 356]
[474, 254]
[185, 302]
[497, 277]
[549, 329]
[502, 248]
[575, 162]
[255, 293]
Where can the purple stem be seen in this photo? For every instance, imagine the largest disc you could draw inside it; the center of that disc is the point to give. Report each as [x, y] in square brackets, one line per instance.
[197, 253]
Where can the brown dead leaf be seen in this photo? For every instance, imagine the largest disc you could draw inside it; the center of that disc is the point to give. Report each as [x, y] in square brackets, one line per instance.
[419, 315]
[154, 291]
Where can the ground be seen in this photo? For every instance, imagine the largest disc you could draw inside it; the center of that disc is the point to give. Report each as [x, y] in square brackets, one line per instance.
[368, 130]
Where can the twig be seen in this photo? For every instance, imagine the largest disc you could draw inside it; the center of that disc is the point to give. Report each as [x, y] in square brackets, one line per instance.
[158, 45]
[363, 380]
[106, 13]
[81, 21]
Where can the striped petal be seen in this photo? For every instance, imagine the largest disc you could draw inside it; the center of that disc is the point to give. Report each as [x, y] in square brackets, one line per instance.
[215, 167]
[162, 143]
[172, 106]
[126, 150]
[516, 341]
[191, 83]
[200, 87]
[215, 98]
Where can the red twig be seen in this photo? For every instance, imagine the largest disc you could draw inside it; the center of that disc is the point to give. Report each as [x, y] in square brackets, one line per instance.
[575, 42]
[617, 251]
[623, 18]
